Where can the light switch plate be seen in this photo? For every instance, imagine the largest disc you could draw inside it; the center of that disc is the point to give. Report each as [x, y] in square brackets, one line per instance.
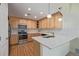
[0, 38]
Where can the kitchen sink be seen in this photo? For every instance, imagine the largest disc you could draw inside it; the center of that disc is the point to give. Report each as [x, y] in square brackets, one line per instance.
[43, 34]
[48, 36]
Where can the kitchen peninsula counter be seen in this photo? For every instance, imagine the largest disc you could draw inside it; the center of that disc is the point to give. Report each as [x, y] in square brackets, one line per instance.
[54, 46]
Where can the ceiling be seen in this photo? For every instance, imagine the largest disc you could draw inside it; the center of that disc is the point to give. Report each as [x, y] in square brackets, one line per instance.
[20, 9]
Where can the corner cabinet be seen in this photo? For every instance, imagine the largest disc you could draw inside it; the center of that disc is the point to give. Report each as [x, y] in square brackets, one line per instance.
[52, 23]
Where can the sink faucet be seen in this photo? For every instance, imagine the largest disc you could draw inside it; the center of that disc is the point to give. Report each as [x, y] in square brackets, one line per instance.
[53, 34]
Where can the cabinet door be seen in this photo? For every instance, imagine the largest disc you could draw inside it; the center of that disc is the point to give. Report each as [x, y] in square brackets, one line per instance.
[14, 39]
[51, 23]
[58, 24]
[33, 24]
[14, 22]
[29, 24]
[36, 48]
[40, 24]
[44, 24]
[48, 23]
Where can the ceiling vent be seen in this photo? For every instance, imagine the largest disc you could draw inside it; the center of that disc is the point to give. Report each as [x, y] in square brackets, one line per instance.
[60, 8]
[28, 14]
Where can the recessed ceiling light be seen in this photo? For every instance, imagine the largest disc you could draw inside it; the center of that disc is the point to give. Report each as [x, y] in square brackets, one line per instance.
[29, 9]
[26, 15]
[49, 16]
[35, 17]
[41, 12]
[60, 19]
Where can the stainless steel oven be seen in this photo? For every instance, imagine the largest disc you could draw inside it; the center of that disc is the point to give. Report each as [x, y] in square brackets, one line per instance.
[22, 33]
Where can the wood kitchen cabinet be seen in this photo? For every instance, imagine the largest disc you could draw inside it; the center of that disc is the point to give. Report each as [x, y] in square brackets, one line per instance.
[27, 49]
[30, 48]
[36, 48]
[58, 24]
[51, 23]
[15, 21]
[43, 24]
[32, 24]
[14, 39]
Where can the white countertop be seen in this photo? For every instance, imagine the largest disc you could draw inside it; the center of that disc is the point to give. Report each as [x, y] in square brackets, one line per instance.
[53, 42]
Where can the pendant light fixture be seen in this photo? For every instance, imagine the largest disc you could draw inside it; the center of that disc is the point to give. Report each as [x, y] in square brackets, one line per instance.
[49, 13]
[59, 10]
[60, 19]
[49, 16]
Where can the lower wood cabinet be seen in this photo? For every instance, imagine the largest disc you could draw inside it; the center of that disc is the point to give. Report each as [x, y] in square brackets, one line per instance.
[36, 48]
[30, 48]
[13, 39]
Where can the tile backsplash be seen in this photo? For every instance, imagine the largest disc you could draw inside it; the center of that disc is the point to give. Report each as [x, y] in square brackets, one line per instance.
[15, 31]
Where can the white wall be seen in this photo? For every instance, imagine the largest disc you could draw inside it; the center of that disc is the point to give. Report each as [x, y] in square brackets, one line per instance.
[4, 29]
[70, 23]
[74, 44]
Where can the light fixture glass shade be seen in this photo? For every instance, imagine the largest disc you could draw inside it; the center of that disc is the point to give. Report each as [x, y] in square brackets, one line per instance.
[29, 9]
[41, 12]
[35, 17]
[49, 16]
[26, 15]
[60, 19]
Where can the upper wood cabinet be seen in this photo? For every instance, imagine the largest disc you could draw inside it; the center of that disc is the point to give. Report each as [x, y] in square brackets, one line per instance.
[43, 24]
[15, 21]
[51, 23]
[31, 24]
[58, 24]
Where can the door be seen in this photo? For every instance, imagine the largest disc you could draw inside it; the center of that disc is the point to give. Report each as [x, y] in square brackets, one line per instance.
[3, 29]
